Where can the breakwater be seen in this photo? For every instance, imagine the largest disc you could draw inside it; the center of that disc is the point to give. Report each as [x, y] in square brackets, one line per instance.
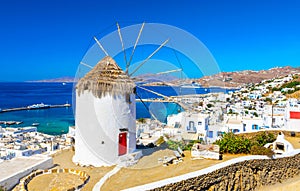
[30, 108]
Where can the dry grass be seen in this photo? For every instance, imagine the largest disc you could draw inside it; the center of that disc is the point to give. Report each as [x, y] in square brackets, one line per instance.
[294, 95]
[63, 159]
[130, 177]
[57, 181]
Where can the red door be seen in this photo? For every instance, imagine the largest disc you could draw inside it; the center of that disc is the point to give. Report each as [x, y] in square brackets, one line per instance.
[122, 143]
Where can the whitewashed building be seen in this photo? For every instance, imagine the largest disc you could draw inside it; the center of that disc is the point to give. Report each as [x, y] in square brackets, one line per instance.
[292, 115]
[105, 116]
[190, 122]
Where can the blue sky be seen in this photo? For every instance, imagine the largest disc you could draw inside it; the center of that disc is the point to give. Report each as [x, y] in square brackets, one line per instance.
[47, 39]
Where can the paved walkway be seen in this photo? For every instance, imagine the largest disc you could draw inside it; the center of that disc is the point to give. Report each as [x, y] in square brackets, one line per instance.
[99, 184]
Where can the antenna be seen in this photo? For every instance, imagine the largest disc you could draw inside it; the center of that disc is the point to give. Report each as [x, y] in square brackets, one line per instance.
[101, 46]
[121, 39]
[132, 53]
[139, 66]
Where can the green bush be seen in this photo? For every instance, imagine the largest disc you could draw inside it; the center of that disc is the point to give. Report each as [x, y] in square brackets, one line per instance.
[188, 146]
[173, 145]
[291, 84]
[209, 105]
[231, 143]
[259, 150]
[142, 120]
[236, 144]
[255, 114]
[263, 138]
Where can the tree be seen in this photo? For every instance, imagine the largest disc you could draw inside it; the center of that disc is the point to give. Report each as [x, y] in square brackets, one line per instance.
[209, 105]
[269, 100]
[255, 114]
[142, 120]
[201, 103]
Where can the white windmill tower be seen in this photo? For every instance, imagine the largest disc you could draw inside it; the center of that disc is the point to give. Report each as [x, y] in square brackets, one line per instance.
[105, 116]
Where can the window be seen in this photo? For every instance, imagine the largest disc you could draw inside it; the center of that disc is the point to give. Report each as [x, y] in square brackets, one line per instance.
[235, 130]
[219, 133]
[244, 127]
[177, 125]
[199, 122]
[210, 134]
[191, 125]
[255, 127]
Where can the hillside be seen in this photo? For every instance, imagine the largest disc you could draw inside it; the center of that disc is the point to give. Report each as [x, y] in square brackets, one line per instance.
[239, 78]
[62, 79]
[223, 79]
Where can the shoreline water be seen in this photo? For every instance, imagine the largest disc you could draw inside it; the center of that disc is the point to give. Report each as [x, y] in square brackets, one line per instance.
[57, 120]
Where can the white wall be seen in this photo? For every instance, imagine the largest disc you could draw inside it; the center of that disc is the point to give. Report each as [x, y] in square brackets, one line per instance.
[9, 182]
[97, 122]
[184, 118]
[250, 122]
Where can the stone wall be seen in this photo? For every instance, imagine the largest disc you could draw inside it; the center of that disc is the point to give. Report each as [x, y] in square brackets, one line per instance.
[25, 181]
[246, 175]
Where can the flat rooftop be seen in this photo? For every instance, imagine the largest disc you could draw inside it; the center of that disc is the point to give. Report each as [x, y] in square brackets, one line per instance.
[9, 168]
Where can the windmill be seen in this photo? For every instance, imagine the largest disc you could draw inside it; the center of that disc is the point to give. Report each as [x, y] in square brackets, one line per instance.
[105, 116]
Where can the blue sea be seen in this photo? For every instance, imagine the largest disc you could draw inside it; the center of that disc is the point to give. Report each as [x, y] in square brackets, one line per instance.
[56, 121]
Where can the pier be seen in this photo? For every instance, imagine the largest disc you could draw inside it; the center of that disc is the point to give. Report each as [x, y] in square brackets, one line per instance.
[169, 100]
[30, 108]
[172, 99]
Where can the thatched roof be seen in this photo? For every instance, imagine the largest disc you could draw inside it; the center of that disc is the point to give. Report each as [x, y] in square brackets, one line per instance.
[106, 78]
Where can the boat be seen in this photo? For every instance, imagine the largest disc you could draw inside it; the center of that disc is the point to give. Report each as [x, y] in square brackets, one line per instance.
[19, 122]
[10, 122]
[192, 85]
[35, 124]
[38, 106]
[63, 83]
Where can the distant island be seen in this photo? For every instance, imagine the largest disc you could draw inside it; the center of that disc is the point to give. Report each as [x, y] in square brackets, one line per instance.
[62, 79]
[222, 79]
